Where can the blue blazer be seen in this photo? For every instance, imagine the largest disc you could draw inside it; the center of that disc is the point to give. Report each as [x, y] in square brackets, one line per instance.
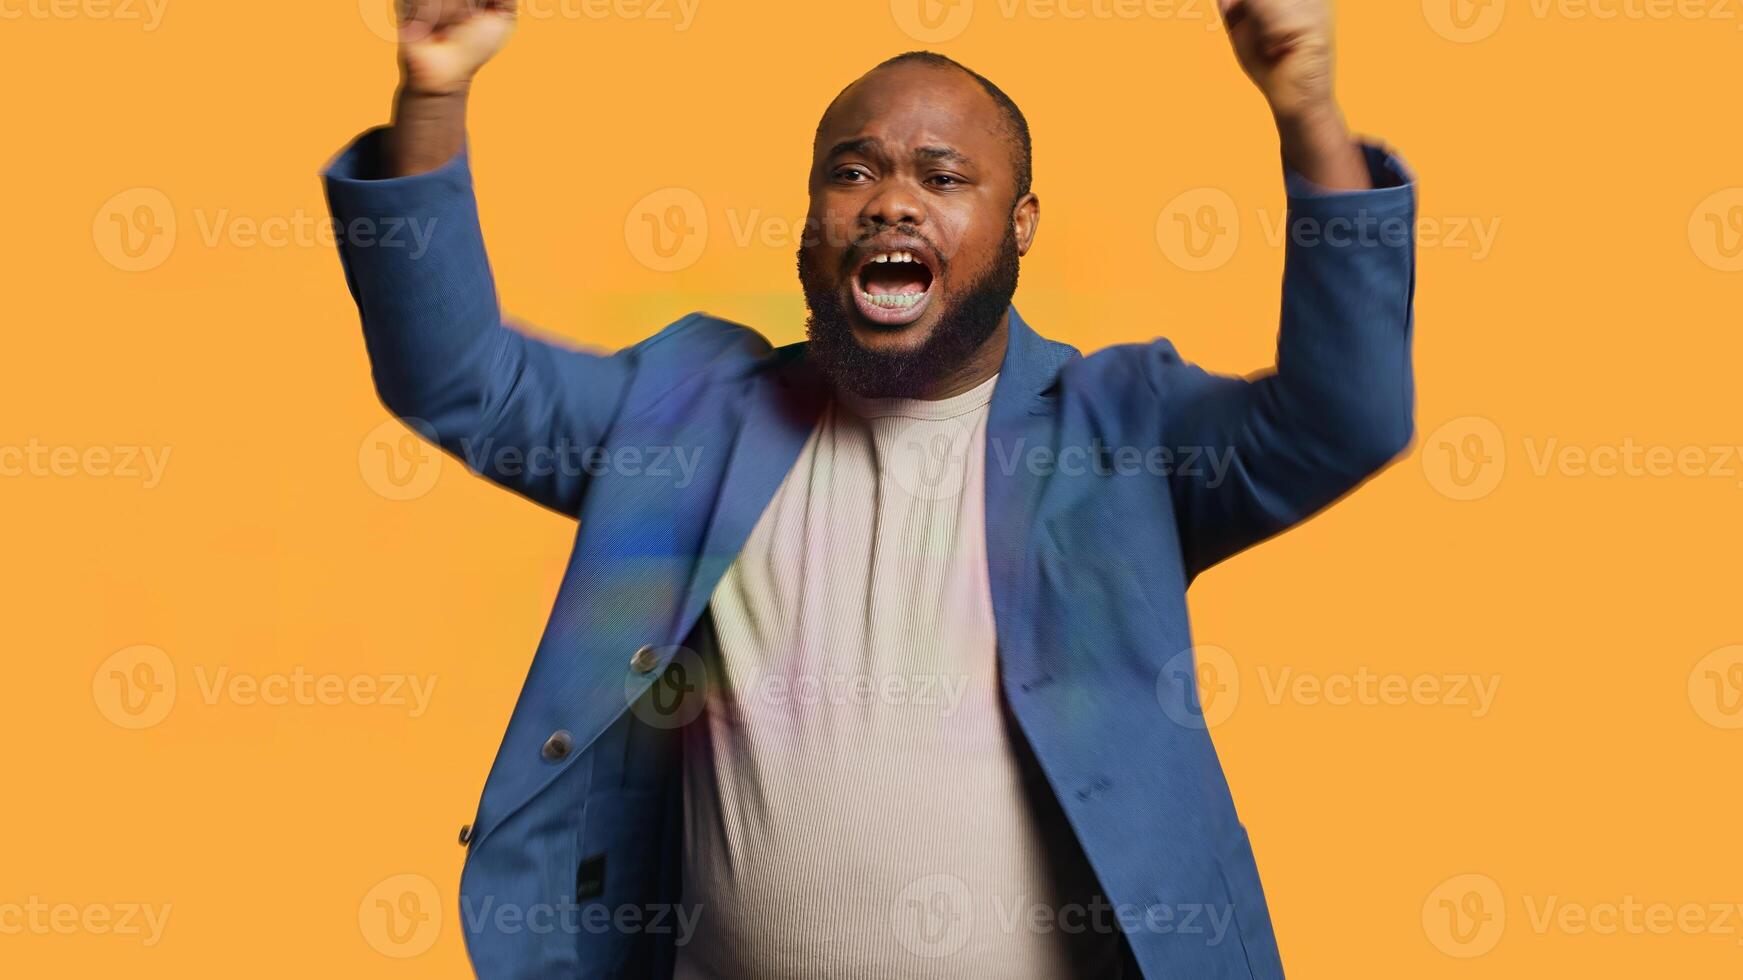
[1111, 481]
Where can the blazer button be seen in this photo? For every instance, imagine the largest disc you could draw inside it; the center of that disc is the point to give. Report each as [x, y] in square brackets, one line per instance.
[466, 835]
[557, 746]
[645, 660]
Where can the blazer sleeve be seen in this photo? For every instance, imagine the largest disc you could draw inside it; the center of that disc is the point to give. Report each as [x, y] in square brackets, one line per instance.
[442, 359]
[1339, 404]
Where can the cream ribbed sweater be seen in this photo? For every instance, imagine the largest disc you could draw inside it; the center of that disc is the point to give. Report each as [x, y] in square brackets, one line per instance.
[856, 801]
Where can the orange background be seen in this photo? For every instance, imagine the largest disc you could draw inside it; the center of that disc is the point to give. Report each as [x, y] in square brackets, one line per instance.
[1601, 313]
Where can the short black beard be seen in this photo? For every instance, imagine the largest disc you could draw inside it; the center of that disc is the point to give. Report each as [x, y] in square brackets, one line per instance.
[967, 323]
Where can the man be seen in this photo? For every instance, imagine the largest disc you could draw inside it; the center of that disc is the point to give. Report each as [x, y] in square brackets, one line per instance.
[891, 684]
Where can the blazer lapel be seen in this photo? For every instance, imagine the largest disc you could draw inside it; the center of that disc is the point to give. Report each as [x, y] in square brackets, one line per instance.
[778, 418]
[1020, 418]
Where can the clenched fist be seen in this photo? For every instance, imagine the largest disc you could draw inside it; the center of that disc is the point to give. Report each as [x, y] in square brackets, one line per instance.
[443, 43]
[1285, 47]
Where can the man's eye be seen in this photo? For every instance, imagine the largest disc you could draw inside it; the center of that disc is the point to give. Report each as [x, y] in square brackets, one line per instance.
[851, 175]
[946, 180]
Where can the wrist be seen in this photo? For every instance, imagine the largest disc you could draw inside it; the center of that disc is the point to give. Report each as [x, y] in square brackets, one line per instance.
[1320, 121]
[428, 130]
[411, 93]
[1318, 145]
[413, 108]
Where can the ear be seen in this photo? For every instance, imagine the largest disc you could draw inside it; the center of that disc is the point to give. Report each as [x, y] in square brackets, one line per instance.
[1025, 218]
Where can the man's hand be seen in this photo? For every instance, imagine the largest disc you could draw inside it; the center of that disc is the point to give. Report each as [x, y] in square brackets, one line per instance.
[1285, 47]
[442, 44]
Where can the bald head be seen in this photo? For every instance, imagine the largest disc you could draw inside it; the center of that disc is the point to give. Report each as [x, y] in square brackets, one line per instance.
[1013, 125]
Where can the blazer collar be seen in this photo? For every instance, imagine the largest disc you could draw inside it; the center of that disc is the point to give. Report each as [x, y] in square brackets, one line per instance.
[1031, 364]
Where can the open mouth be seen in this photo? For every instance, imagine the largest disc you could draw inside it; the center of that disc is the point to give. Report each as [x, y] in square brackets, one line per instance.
[892, 287]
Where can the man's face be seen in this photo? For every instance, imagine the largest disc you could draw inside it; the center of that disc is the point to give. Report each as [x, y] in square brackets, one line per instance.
[914, 229]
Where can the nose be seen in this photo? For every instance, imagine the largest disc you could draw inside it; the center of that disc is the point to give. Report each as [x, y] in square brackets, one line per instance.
[896, 202]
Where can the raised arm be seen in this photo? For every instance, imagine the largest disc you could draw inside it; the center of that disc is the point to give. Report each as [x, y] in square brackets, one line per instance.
[1340, 403]
[513, 407]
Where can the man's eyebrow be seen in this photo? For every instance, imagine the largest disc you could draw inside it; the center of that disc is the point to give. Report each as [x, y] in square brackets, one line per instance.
[941, 153]
[870, 146]
[863, 146]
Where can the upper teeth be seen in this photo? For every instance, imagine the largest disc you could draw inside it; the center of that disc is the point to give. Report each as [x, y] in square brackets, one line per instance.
[895, 257]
